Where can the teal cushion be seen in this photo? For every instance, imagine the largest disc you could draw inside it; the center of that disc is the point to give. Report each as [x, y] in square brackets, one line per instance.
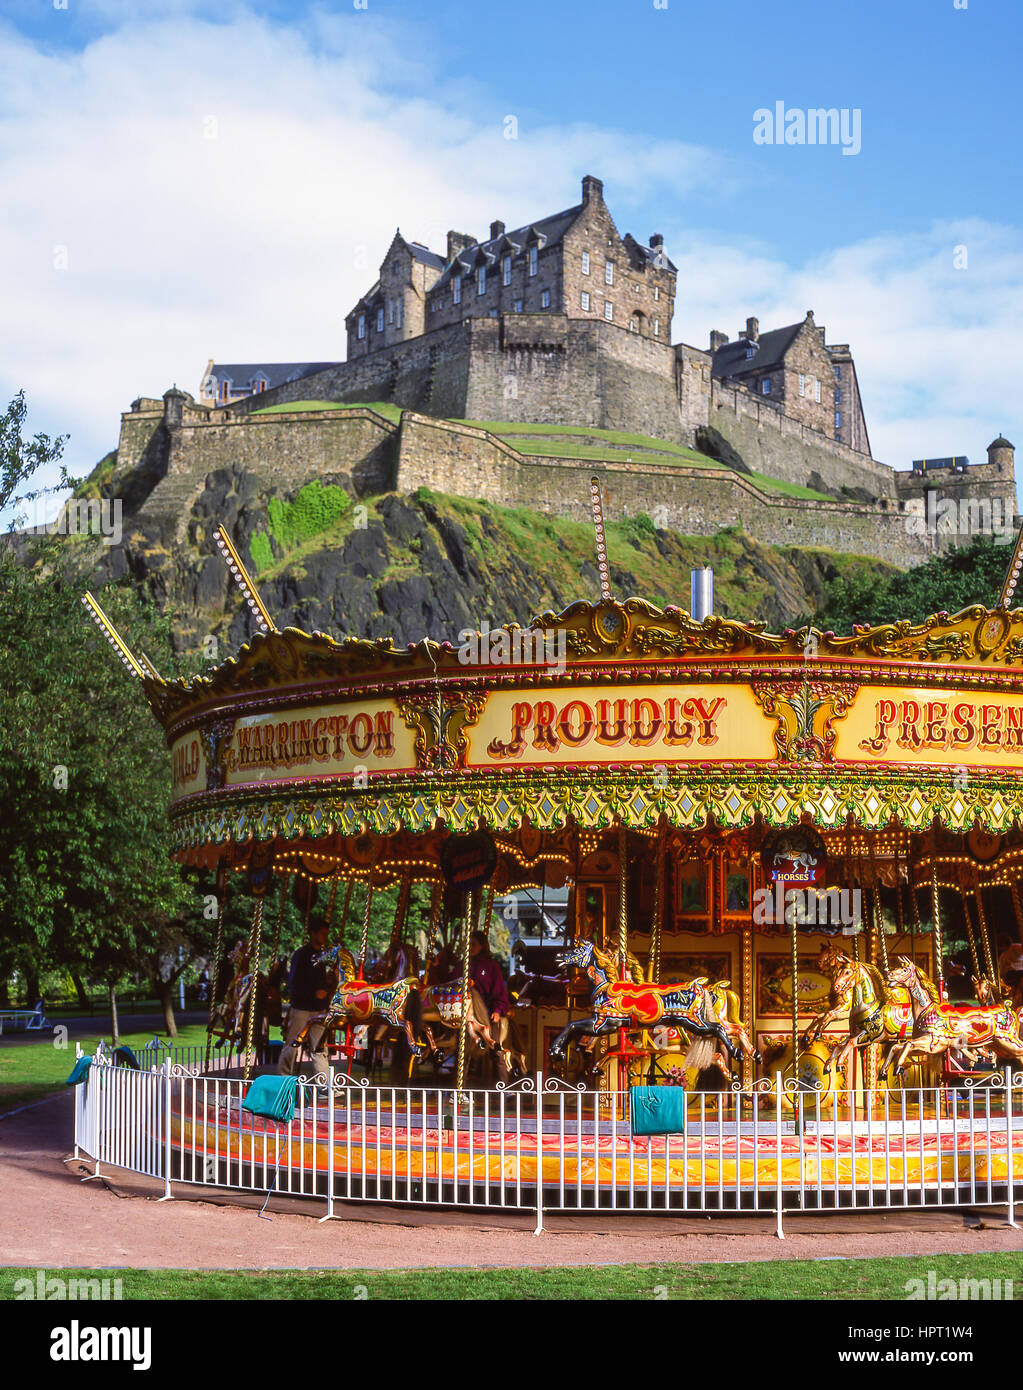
[658, 1109]
[124, 1054]
[79, 1071]
[272, 1096]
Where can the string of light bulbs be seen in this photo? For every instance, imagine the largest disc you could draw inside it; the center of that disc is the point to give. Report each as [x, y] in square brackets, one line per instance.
[241, 577]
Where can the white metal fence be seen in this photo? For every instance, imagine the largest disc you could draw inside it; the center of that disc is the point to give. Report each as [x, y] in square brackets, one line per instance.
[540, 1145]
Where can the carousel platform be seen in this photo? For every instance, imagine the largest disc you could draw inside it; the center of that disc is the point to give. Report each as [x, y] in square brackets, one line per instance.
[420, 1146]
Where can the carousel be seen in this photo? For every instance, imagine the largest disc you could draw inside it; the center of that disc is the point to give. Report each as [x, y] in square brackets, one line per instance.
[792, 865]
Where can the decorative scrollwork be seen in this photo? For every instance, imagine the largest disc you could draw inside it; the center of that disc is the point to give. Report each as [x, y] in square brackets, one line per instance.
[183, 1069]
[798, 1085]
[341, 1081]
[522, 1085]
[759, 1086]
[559, 1085]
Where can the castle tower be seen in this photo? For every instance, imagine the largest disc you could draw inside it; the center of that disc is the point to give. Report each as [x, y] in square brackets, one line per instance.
[1001, 453]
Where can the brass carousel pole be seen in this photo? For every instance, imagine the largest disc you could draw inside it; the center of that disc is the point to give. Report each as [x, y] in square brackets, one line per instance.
[939, 953]
[985, 936]
[214, 974]
[255, 940]
[969, 929]
[468, 927]
[364, 943]
[436, 904]
[878, 906]
[654, 966]
[623, 906]
[870, 1076]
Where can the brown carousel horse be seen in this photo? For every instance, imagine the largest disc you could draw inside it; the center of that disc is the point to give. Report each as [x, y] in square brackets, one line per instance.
[230, 1021]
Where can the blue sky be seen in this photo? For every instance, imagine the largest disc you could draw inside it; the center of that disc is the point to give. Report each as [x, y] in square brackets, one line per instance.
[182, 188]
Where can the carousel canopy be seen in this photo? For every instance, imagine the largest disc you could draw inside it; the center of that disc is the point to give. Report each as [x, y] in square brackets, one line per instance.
[608, 712]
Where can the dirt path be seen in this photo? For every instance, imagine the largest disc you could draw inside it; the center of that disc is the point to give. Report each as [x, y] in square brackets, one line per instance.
[49, 1218]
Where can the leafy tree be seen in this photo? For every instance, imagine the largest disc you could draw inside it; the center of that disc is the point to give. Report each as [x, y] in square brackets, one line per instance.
[84, 768]
[947, 583]
[21, 458]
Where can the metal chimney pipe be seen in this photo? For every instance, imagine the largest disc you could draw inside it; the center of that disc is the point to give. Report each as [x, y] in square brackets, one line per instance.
[701, 588]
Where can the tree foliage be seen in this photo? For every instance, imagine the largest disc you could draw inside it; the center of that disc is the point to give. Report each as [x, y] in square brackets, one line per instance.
[947, 583]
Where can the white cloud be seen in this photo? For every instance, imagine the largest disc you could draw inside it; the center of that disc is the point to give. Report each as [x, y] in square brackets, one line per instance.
[209, 187]
[934, 345]
[213, 184]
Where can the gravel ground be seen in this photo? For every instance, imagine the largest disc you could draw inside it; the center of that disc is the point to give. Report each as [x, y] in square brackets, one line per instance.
[49, 1218]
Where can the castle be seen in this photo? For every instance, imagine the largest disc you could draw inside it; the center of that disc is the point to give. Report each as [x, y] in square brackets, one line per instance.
[566, 323]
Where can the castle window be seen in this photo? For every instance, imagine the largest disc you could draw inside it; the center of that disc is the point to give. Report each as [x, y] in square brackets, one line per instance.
[481, 280]
[750, 351]
[802, 384]
[765, 386]
[838, 419]
[533, 259]
[838, 373]
[390, 311]
[633, 326]
[586, 262]
[609, 312]
[609, 272]
[657, 292]
[456, 290]
[838, 397]
[223, 390]
[361, 330]
[816, 389]
[400, 302]
[518, 306]
[657, 328]
[584, 300]
[545, 299]
[507, 270]
[380, 319]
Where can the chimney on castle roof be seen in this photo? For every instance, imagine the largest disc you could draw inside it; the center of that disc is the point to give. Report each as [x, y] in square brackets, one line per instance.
[717, 339]
[657, 241]
[593, 189]
[753, 329]
[496, 230]
[458, 241]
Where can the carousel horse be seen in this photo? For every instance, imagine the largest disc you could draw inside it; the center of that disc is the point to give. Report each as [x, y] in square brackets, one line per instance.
[230, 1016]
[397, 1004]
[878, 1012]
[442, 1003]
[694, 1007]
[939, 1027]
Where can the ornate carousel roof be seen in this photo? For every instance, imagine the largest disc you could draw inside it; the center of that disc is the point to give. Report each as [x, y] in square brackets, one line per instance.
[614, 711]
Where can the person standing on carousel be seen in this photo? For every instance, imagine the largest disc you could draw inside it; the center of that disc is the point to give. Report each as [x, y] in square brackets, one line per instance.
[309, 992]
[486, 975]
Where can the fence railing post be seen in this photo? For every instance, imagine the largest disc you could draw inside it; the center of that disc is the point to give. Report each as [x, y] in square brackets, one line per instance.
[779, 1231]
[1009, 1157]
[165, 1075]
[330, 1216]
[539, 1152]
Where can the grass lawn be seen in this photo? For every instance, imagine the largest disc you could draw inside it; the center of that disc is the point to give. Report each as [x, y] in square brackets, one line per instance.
[883, 1278]
[385, 408]
[31, 1071]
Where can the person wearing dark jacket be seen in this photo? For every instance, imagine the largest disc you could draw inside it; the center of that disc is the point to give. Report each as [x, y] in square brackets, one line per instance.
[308, 993]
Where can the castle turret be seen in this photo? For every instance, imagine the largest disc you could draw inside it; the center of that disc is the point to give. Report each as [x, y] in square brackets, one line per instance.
[1003, 454]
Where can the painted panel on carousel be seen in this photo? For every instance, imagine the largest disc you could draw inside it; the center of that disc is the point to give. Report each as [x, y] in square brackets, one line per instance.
[938, 727]
[322, 741]
[629, 723]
